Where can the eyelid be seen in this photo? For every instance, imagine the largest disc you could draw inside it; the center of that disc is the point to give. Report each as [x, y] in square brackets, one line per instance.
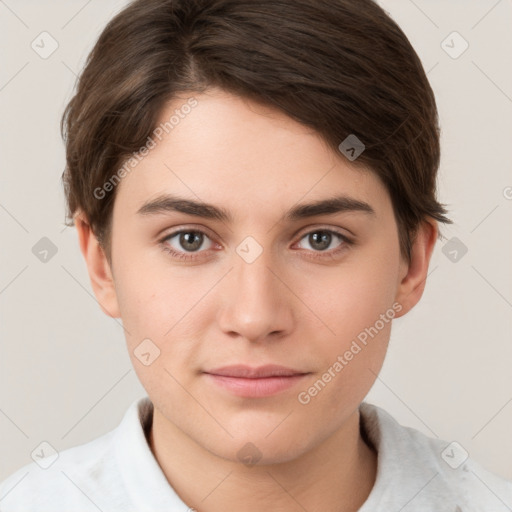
[304, 231]
[300, 233]
[189, 227]
[318, 227]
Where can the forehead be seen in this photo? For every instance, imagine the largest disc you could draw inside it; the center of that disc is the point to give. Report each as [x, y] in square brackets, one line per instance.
[231, 151]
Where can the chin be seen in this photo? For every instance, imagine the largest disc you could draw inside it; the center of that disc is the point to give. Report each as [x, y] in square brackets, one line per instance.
[251, 454]
[256, 447]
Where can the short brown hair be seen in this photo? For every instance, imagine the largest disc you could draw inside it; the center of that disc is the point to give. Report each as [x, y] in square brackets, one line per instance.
[341, 67]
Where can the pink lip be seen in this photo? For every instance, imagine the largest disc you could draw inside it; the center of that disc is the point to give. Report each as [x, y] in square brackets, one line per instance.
[247, 381]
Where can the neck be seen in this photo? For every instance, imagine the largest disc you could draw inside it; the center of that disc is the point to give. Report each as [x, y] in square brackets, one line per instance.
[338, 474]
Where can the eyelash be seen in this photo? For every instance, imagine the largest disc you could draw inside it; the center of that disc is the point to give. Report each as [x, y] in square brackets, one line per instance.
[327, 255]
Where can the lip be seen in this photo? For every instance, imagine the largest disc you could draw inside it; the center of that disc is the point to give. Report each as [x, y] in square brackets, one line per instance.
[254, 382]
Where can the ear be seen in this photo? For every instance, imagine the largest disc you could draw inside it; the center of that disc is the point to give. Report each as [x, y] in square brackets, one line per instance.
[414, 274]
[98, 267]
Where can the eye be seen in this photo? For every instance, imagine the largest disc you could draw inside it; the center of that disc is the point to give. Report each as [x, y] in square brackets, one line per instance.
[321, 240]
[189, 244]
[184, 243]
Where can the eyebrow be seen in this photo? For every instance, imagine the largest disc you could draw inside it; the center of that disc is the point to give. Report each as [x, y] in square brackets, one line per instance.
[170, 203]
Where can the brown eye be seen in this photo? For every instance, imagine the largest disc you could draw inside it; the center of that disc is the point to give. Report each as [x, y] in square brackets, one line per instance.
[321, 240]
[181, 243]
[190, 240]
[322, 244]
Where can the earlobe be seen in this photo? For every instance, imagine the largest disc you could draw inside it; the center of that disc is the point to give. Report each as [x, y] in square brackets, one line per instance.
[98, 267]
[413, 282]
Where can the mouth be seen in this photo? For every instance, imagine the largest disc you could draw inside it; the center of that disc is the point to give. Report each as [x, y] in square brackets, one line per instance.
[255, 382]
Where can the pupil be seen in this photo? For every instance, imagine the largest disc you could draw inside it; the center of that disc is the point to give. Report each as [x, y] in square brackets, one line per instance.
[191, 240]
[321, 242]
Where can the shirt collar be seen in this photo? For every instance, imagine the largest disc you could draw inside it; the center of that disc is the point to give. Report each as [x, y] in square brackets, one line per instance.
[150, 491]
[145, 481]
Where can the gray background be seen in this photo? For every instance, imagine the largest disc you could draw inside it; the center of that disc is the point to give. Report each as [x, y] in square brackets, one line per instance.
[66, 377]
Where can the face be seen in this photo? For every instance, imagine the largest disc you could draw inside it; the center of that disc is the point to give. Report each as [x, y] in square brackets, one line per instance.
[254, 279]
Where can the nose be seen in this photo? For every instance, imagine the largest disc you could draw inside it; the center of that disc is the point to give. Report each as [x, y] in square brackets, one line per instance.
[256, 304]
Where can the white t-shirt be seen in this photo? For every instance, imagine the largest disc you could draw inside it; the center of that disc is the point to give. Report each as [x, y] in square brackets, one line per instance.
[117, 472]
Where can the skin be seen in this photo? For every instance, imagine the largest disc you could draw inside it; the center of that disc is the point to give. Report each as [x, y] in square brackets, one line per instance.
[285, 308]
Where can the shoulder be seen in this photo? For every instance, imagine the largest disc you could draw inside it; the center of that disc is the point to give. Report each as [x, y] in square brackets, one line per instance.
[71, 478]
[87, 477]
[441, 472]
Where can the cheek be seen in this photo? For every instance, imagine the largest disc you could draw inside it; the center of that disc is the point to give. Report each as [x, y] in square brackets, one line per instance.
[151, 294]
[356, 303]
[162, 304]
[352, 297]
[360, 314]
[153, 308]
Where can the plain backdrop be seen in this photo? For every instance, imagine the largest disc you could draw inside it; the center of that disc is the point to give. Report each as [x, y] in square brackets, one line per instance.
[65, 374]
